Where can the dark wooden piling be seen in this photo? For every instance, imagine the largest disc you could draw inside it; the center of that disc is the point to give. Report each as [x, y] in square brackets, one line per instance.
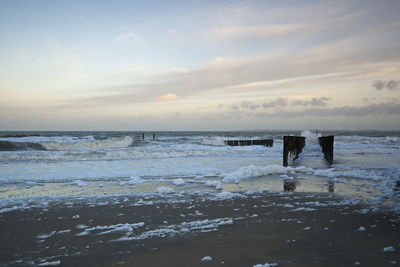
[292, 147]
[143, 136]
[154, 136]
[326, 143]
[265, 142]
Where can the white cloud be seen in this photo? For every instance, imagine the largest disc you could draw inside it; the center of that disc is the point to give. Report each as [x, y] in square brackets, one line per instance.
[252, 32]
[131, 38]
[180, 70]
[167, 97]
[172, 32]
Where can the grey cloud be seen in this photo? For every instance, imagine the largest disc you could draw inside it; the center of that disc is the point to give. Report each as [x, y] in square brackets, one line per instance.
[314, 102]
[279, 102]
[391, 84]
[371, 109]
[249, 105]
[234, 107]
[378, 85]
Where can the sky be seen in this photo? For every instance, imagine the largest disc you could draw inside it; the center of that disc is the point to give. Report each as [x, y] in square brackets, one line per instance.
[199, 65]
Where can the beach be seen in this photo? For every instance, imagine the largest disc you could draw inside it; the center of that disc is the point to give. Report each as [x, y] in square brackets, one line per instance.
[289, 229]
[187, 199]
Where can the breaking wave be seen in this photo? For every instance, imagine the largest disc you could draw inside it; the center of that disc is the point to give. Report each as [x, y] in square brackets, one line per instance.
[115, 142]
[14, 146]
[63, 143]
[311, 137]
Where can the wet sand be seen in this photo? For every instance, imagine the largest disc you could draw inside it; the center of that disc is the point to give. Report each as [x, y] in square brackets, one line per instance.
[290, 229]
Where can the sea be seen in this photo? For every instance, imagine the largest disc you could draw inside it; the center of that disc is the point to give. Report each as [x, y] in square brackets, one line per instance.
[60, 165]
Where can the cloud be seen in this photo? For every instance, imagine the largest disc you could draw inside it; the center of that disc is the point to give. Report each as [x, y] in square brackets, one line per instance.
[249, 105]
[279, 102]
[252, 32]
[377, 109]
[391, 85]
[131, 38]
[167, 97]
[172, 32]
[180, 70]
[268, 70]
[378, 85]
[315, 102]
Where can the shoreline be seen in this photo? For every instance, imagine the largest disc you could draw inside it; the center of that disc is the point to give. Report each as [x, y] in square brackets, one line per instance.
[291, 229]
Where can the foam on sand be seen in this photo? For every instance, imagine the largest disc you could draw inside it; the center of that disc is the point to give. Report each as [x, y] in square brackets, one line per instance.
[207, 258]
[207, 225]
[165, 190]
[266, 265]
[178, 182]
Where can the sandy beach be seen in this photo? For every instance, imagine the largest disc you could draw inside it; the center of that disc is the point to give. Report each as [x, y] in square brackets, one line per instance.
[289, 229]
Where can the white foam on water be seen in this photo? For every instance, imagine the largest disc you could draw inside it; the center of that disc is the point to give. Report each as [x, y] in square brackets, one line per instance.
[114, 142]
[190, 160]
[48, 139]
[311, 137]
[258, 171]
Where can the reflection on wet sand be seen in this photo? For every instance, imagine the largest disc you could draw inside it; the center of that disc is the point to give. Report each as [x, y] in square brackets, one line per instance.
[350, 188]
[289, 185]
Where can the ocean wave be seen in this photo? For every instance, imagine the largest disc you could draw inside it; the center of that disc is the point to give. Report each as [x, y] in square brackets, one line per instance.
[39, 139]
[62, 143]
[14, 146]
[311, 137]
[114, 142]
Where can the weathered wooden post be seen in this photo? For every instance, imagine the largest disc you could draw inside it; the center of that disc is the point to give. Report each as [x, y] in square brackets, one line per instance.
[154, 136]
[292, 147]
[143, 136]
[286, 146]
[326, 142]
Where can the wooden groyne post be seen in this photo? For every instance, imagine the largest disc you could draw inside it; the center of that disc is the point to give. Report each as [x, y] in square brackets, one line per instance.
[292, 147]
[326, 143]
[264, 142]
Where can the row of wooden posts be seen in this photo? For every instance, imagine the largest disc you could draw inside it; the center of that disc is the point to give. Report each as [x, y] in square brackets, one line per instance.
[154, 136]
[292, 146]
